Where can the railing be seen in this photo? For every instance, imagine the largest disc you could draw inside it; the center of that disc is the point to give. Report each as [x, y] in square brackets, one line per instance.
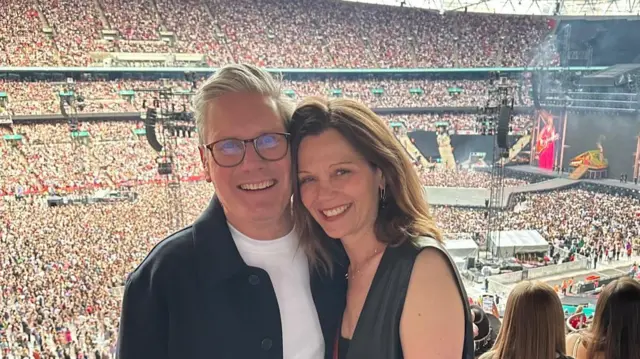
[501, 284]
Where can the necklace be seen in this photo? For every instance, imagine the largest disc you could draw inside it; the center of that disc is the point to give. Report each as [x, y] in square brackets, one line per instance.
[353, 272]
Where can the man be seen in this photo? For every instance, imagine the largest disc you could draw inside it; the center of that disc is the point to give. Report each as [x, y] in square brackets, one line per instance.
[235, 284]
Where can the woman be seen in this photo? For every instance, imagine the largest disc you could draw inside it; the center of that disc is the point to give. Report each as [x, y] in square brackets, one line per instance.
[356, 184]
[546, 142]
[615, 331]
[533, 325]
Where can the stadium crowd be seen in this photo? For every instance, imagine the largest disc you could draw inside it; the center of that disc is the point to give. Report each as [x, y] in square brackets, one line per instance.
[61, 274]
[463, 179]
[300, 34]
[62, 268]
[114, 153]
[589, 223]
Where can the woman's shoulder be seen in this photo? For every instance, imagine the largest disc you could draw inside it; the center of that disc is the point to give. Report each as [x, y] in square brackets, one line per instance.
[573, 341]
[431, 254]
[414, 247]
[419, 258]
[572, 338]
[436, 321]
[433, 262]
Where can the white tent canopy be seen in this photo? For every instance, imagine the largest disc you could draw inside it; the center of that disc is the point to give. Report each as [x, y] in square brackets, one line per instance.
[461, 248]
[509, 243]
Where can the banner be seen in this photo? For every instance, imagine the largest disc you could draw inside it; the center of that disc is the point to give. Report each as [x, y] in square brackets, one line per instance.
[12, 137]
[75, 134]
[127, 93]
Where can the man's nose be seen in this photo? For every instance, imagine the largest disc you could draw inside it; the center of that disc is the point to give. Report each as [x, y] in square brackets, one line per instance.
[251, 157]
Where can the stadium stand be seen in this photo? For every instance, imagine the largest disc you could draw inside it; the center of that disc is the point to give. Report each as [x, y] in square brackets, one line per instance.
[302, 34]
[62, 268]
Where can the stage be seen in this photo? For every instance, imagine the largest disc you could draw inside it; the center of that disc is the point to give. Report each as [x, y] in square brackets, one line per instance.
[552, 174]
[476, 197]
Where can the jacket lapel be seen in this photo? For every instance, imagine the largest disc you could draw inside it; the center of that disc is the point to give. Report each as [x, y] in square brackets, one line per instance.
[217, 257]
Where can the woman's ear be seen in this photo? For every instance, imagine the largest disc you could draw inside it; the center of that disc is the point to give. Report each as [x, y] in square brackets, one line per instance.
[381, 181]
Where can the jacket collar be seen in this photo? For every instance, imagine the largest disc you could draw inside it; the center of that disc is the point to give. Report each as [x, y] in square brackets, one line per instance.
[218, 258]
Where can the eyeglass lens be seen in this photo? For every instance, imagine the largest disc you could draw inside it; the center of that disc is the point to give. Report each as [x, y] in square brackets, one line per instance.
[269, 146]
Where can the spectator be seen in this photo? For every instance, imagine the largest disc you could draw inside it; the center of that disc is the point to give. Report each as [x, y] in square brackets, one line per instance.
[533, 325]
[614, 330]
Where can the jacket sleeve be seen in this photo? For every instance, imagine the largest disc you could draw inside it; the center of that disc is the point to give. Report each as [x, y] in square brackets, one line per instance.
[143, 320]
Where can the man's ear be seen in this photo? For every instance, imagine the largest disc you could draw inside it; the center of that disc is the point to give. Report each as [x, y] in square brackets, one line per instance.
[205, 164]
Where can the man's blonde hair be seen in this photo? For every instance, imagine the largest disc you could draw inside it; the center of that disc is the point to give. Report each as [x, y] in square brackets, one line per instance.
[237, 78]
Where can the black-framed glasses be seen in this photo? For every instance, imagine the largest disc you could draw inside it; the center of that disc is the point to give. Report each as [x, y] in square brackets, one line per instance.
[230, 152]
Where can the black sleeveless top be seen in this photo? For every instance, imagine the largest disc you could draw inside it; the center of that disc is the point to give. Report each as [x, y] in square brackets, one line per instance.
[377, 333]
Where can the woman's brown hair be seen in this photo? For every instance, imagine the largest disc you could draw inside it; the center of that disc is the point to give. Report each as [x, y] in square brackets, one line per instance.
[533, 326]
[615, 331]
[403, 216]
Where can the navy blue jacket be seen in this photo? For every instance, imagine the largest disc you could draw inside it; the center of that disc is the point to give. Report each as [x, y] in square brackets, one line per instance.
[194, 297]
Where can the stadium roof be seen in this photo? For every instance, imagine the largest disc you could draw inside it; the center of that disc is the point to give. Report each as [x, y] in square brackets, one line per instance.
[524, 7]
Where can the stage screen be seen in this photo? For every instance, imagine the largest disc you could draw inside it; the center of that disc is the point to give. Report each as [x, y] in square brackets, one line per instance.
[616, 133]
[463, 145]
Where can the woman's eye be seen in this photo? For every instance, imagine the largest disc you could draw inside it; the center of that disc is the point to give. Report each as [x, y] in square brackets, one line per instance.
[342, 172]
[304, 180]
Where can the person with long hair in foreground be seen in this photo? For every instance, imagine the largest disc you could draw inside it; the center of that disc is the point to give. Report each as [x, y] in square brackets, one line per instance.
[533, 325]
[356, 185]
[615, 330]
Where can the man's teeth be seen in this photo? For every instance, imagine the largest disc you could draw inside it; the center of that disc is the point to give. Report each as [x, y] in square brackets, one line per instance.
[257, 186]
[335, 211]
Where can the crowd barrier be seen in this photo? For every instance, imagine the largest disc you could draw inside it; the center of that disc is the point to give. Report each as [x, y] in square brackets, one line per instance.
[501, 284]
[561, 268]
[564, 253]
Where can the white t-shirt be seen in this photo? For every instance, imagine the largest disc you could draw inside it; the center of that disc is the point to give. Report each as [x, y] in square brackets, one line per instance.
[288, 270]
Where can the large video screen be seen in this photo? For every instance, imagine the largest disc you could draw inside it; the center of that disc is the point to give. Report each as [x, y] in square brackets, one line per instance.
[613, 137]
[463, 145]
